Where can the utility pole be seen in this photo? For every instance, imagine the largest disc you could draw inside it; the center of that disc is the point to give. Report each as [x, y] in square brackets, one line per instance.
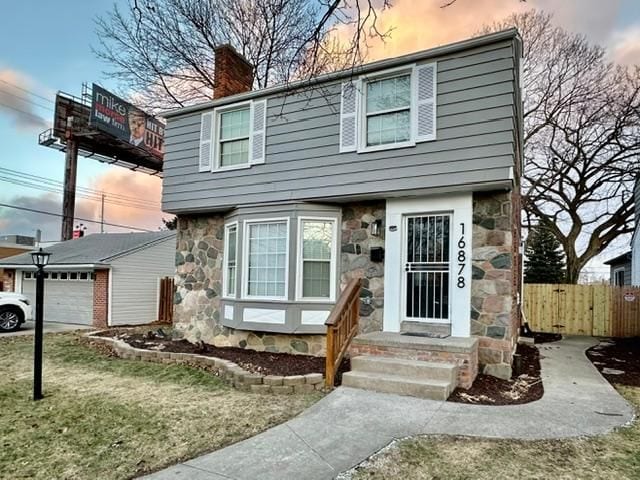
[102, 215]
[70, 173]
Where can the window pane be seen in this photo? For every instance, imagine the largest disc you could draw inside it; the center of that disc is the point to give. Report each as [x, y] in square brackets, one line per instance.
[316, 279]
[267, 259]
[316, 240]
[234, 153]
[388, 93]
[232, 235]
[388, 128]
[234, 124]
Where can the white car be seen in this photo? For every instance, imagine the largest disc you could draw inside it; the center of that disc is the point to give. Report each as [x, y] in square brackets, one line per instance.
[15, 308]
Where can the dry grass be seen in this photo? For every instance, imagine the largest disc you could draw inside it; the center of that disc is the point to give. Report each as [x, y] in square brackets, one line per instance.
[105, 418]
[614, 456]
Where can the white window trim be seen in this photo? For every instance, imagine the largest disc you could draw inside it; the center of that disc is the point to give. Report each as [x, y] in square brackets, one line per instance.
[245, 259]
[217, 151]
[225, 263]
[333, 263]
[615, 272]
[361, 127]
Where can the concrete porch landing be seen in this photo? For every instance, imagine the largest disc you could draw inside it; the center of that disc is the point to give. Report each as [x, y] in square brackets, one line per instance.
[459, 351]
[349, 425]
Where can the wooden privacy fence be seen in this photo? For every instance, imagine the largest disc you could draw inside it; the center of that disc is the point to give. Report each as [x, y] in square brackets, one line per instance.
[598, 310]
[165, 299]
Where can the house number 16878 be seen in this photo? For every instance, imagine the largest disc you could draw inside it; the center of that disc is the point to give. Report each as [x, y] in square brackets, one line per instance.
[462, 257]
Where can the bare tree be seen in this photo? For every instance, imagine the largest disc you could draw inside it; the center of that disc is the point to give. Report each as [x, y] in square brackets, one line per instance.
[582, 138]
[163, 49]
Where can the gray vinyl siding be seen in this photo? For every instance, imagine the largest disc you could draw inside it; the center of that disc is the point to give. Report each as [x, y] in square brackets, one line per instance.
[627, 271]
[134, 282]
[475, 148]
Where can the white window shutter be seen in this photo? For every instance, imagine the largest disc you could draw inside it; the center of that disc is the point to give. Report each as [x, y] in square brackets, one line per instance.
[206, 142]
[425, 102]
[349, 117]
[258, 121]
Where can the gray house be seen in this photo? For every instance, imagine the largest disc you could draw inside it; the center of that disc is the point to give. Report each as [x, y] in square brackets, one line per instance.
[620, 269]
[404, 172]
[100, 280]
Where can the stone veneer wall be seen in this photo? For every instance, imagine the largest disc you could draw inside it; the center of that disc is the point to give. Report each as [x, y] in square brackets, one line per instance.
[198, 280]
[495, 311]
[355, 260]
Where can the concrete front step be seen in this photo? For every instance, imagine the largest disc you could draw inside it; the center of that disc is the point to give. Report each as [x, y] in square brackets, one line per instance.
[436, 330]
[416, 369]
[377, 382]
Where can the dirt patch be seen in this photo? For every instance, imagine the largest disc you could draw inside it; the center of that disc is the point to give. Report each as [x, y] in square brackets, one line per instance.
[524, 388]
[618, 360]
[264, 363]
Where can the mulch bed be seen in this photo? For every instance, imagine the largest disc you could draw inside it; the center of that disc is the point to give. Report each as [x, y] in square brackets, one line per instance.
[541, 337]
[264, 363]
[618, 360]
[524, 388]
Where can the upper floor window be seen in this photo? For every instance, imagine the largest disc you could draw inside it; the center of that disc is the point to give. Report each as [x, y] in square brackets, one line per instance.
[388, 110]
[234, 137]
[391, 109]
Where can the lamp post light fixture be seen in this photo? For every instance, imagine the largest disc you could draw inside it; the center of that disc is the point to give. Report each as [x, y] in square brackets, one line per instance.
[40, 259]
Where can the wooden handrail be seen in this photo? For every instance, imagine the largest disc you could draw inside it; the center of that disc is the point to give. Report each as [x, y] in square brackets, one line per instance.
[342, 326]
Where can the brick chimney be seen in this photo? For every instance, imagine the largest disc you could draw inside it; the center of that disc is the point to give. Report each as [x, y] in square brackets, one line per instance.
[233, 73]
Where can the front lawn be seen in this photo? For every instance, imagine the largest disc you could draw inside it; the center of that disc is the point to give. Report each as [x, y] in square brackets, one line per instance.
[108, 418]
[613, 456]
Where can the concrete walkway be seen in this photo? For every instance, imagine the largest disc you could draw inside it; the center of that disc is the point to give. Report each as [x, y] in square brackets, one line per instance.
[28, 328]
[349, 425]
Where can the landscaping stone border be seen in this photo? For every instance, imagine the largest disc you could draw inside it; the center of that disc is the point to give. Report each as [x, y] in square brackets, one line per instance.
[230, 372]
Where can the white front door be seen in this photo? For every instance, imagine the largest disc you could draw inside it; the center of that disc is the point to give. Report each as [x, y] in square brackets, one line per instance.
[427, 268]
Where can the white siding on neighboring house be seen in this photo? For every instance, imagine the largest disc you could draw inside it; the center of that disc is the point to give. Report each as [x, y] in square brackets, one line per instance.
[635, 258]
[135, 281]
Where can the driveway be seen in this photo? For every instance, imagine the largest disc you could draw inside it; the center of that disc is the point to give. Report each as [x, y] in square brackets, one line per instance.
[348, 425]
[28, 328]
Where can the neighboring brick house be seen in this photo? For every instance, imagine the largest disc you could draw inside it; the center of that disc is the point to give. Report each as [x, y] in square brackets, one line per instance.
[100, 279]
[12, 245]
[404, 172]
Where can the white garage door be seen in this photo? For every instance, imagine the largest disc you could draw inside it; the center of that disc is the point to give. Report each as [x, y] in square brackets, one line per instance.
[68, 296]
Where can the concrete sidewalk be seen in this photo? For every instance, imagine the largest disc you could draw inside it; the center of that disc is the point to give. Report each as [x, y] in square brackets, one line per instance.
[349, 425]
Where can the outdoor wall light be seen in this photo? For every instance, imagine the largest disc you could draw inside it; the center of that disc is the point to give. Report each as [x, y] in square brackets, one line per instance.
[376, 228]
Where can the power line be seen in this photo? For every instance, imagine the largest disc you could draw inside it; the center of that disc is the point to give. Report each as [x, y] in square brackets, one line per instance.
[33, 210]
[45, 188]
[24, 99]
[24, 112]
[27, 91]
[59, 184]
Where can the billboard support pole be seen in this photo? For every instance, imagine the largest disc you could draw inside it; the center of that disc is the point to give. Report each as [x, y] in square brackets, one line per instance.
[70, 173]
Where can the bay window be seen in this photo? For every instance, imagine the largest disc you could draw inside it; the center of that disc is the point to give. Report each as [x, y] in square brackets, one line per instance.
[266, 255]
[231, 242]
[317, 259]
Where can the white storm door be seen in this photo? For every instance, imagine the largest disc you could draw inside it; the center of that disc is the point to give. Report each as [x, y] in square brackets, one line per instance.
[427, 268]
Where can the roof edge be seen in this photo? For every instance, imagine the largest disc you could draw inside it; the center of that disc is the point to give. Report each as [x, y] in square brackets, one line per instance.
[510, 33]
[137, 248]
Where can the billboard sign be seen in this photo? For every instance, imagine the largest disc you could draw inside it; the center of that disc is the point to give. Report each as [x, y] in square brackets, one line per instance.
[112, 115]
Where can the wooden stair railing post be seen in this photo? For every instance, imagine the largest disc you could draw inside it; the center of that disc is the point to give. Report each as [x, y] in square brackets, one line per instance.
[342, 326]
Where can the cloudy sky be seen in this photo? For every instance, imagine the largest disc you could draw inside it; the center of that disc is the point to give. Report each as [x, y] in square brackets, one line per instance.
[40, 56]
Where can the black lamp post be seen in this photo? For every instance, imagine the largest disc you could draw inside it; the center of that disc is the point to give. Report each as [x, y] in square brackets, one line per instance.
[40, 260]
